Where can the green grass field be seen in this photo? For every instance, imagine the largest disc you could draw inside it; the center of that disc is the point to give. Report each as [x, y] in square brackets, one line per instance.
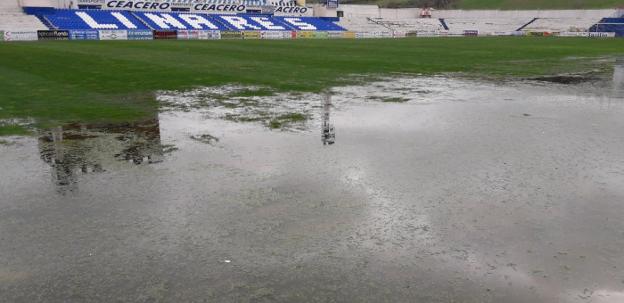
[59, 82]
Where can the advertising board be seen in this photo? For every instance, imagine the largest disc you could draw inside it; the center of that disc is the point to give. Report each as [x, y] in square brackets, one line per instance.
[601, 35]
[20, 36]
[275, 35]
[165, 35]
[188, 35]
[113, 35]
[209, 35]
[305, 35]
[84, 34]
[140, 34]
[348, 35]
[251, 35]
[52, 35]
[335, 34]
[321, 35]
[231, 35]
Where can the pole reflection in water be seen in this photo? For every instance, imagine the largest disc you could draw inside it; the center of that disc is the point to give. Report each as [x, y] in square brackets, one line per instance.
[75, 149]
[618, 78]
[328, 134]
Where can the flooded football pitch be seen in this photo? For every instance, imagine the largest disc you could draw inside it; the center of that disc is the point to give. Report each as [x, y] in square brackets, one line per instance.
[406, 189]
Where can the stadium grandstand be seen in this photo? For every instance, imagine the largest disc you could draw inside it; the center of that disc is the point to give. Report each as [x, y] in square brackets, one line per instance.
[125, 20]
[13, 18]
[94, 19]
[484, 22]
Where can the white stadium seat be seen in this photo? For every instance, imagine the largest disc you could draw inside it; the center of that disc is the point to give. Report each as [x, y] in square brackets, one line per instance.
[561, 24]
[370, 18]
[12, 18]
[359, 24]
[486, 25]
[412, 24]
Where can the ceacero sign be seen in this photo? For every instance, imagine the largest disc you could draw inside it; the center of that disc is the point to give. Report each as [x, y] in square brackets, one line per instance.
[140, 5]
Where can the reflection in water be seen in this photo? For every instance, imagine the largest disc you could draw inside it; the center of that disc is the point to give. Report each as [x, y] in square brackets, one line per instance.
[618, 78]
[91, 148]
[328, 135]
[475, 203]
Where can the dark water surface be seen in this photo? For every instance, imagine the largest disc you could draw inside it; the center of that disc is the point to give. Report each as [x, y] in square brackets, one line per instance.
[436, 190]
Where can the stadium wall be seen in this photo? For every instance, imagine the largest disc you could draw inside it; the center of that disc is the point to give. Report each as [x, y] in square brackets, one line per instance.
[9, 6]
[40, 3]
[56, 35]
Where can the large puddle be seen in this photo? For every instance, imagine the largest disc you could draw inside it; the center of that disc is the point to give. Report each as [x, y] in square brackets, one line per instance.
[402, 190]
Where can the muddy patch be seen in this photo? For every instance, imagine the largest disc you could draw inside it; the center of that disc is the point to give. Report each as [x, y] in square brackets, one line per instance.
[389, 99]
[570, 78]
[205, 138]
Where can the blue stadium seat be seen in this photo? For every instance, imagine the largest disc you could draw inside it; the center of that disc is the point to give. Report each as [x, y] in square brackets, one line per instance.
[104, 19]
[612, 25]
[94, 19]
[174, 21]
[252, 22]
[316, 23]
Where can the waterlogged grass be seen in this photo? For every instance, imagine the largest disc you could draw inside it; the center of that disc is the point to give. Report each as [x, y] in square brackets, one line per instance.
[59, 82]
[259, 92]
[282, 120]
[293, 117]
[390, 99]
[5, 142]
[273, 122]
[287, 119]
[12, 129]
